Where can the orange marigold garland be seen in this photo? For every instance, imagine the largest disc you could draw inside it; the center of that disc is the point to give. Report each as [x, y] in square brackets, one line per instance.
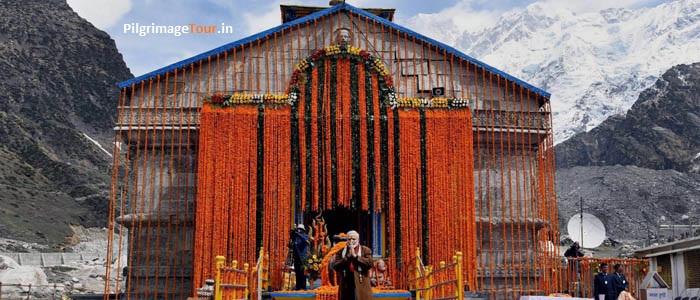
[376, 153]
[409, 160]
[314, 118]
[361, 141]
[278, 188]
[447, 171]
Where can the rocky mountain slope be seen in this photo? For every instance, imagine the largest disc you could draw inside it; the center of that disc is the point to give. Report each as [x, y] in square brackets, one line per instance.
[594, 64]
[57, 78]
[641, 169]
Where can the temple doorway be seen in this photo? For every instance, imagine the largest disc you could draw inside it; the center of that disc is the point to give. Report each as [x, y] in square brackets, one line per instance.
[343, 219]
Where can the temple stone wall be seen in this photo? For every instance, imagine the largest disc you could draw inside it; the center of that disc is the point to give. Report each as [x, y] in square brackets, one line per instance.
[266, 67]
[159, 217]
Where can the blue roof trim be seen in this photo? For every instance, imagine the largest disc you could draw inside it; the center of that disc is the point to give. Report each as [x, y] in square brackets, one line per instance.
[318, 14]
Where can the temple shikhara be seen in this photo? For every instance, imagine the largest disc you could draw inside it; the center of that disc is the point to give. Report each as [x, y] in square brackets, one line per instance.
[338, 116]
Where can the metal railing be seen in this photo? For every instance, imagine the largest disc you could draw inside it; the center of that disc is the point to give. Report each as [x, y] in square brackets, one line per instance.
[174, 116]
[261, 275]
[510, 119]
[231, 283]
[578, 274]
[443, 283]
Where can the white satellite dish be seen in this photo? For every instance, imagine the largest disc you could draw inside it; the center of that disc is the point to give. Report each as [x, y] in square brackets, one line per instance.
[586, 229]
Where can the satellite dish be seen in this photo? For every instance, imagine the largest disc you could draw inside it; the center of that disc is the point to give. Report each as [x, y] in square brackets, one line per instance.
[586, 229]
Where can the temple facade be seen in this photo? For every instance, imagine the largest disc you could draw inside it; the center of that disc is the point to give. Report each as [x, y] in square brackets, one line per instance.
[340, 113]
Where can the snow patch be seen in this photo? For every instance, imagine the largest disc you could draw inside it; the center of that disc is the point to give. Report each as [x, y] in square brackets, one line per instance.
[97, 143]
[594, 64]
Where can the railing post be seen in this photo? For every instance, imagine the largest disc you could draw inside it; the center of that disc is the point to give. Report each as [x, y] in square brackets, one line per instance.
[255, 281]
[261, 265]
[442, 289]
[460, 280]
[266, 270]
[428, 282]
[231, 276]
[246, 291]
[217, 281]
[417, 274]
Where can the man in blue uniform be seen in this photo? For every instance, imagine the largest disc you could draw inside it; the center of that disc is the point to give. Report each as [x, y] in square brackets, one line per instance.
[600, 283]
[299, 243]
[617, 283]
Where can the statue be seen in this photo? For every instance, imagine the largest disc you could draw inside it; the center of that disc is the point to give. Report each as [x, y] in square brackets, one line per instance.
[379, 275]
[343, 36]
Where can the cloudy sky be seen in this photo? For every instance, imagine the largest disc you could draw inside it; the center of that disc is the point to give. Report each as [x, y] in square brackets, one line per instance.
[153, 51]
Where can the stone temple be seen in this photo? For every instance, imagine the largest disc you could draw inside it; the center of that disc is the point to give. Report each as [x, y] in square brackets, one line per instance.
[338, 112]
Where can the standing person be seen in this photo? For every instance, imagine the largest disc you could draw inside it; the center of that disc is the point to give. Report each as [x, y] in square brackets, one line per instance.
[299, 243]
[574, 251]
[617, 283]
[353, 264]
[572, 254]
[600, 283]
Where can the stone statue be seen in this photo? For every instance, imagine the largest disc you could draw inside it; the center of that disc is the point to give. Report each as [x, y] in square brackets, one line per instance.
[343, 36]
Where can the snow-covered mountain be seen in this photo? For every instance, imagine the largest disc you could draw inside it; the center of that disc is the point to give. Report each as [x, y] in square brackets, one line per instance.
[593, 64]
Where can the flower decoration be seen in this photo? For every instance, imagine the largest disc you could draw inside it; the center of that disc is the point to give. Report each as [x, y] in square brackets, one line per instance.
[437, 102]
[642, 268]
[220, 100]
[595, 267]
[386, 84]
[313, 265]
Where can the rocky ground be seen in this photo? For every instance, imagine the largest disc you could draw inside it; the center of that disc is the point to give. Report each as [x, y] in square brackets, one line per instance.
[80, 277]
[632, 202]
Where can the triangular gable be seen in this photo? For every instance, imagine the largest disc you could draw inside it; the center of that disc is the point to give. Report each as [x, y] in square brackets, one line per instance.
[318, 15]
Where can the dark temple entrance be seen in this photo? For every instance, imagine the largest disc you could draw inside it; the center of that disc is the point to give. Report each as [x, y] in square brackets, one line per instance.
[343, 220]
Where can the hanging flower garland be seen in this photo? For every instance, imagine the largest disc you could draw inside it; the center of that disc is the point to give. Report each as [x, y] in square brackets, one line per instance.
[386, 83]
[436, 102]
[642, 268]
[220, 100]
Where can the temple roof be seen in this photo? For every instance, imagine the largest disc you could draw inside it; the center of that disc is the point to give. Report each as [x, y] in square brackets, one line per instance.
[293, 12]
[317, 15]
